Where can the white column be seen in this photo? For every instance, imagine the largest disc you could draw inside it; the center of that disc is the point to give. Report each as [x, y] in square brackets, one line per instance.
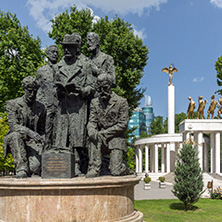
[217, 152]
[200, 148]
[162, 158]
[156, 158]
[168, 158]
[206, 158]
[140, 156]
[146, 159]
[152, 158]
[171, 109]
[137, 159]
[180, 147]
[212, 152]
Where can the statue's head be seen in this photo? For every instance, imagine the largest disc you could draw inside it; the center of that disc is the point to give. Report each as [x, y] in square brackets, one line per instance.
[189, 98]
[52, 54]
[213, 96]
[30, 87]
[93, 41]
[104, 83]
[71, 45]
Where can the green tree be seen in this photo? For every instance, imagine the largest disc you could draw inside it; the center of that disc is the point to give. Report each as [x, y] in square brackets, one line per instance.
[188, 185]
[116, 39]
[20, 55]
[8, 163]
[178, 119]
[156, 126]
[218, 67]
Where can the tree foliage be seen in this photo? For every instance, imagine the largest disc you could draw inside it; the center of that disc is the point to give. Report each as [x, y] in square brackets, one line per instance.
[116, 39]
[8, 163]
[188, 177]
[178, 119]
[218, 67]
[20, 55]
[156, 126]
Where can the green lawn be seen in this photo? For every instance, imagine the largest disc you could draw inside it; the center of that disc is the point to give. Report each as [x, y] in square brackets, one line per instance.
[172, 210]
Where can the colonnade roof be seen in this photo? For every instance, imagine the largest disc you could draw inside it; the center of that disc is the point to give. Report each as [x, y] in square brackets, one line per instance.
[161, 138]
[201, 125]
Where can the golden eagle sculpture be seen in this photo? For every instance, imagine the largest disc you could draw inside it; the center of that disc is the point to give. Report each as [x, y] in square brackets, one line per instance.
[170, 71]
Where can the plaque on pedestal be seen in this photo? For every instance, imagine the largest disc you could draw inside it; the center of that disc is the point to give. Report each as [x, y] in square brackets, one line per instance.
[57, 164]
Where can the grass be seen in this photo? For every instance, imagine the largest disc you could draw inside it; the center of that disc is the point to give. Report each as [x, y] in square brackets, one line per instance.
[173, 210]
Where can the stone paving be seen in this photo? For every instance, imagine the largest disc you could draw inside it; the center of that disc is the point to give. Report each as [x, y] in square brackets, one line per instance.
[157, 193]
[154, 193]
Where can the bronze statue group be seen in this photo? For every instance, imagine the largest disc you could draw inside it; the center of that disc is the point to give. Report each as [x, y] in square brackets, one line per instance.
[70, 107]
[201, 107]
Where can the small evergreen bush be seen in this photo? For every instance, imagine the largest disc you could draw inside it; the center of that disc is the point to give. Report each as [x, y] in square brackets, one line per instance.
[161, 179]
[188, 185]
[147, 180]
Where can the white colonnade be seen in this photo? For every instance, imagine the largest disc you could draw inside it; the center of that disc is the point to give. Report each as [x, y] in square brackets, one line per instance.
[197, 127]
[152, 145]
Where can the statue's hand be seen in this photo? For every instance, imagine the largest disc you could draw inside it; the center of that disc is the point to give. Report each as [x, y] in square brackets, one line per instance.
[93, 135]
[36, 137]
[102, 138]
[86, 91]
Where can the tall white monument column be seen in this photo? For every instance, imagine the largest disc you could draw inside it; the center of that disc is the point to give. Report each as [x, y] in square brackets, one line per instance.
[171, 109]
[146, 159]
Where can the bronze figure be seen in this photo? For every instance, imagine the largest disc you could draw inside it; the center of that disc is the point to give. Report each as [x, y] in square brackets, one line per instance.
[25, 140]
[191, 108]
[201, 107]
[212, 107]
[170, 71]
[107, 125]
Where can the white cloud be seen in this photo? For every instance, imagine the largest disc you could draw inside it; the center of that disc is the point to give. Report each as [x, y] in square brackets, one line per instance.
[141, 33]
[198, 79]
[44, 10]
[217, 3]
[126, 6]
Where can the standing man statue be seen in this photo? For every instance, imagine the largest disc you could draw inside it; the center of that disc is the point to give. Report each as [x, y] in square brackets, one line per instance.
[46, 93]
[212, 107]
[191, 108]
[107, 126]
[170, 71]
[201, 107]
[25, 140]
[101, 60]
[220, 109]
[75, 85]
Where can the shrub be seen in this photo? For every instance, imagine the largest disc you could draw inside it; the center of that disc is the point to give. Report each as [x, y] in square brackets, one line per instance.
[147, 179]
[216, 193]
[188, 178]
[161, 179]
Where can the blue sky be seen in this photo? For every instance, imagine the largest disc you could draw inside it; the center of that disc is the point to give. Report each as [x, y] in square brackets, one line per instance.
[187, 33]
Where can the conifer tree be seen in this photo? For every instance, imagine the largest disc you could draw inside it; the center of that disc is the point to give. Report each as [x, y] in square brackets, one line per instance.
[188, 176]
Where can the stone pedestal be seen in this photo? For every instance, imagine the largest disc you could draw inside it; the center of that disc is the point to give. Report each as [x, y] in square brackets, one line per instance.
[78, 199]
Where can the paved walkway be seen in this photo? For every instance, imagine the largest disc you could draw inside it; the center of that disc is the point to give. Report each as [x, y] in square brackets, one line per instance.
[156, 193]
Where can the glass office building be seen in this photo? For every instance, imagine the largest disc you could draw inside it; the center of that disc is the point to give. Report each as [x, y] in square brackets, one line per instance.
[141, 118]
